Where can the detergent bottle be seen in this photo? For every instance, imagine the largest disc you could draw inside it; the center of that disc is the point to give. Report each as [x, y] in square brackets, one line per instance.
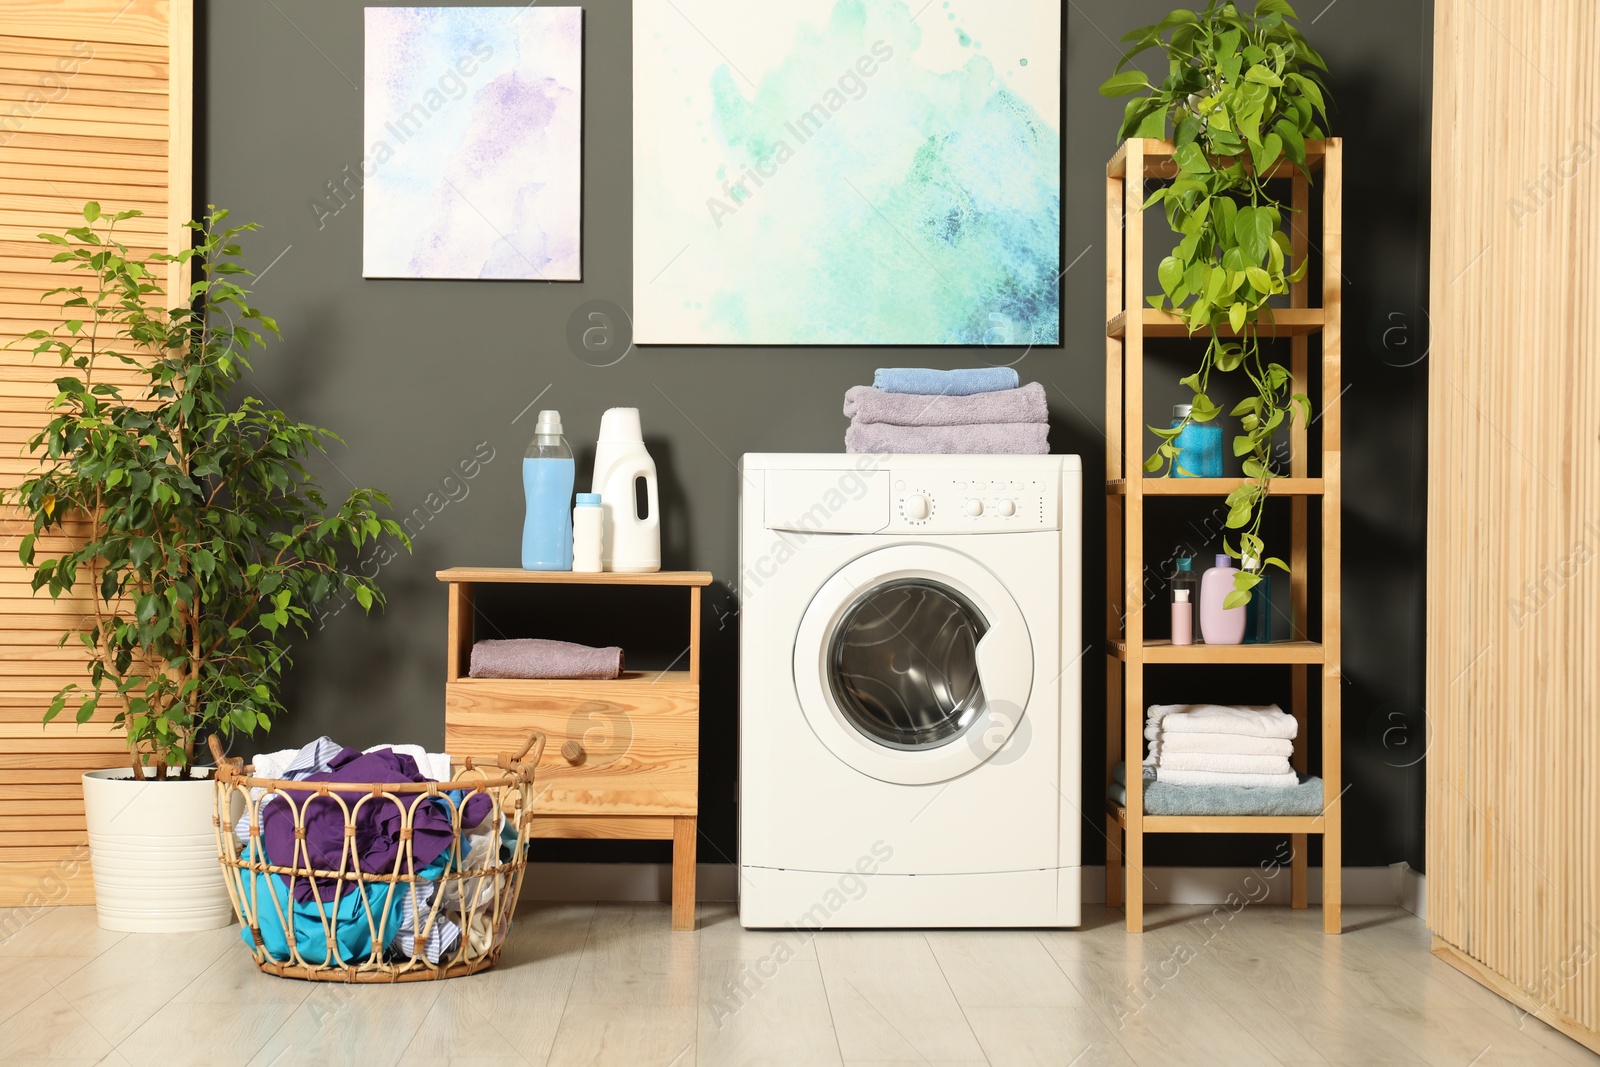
[630, 542]
[547, 485]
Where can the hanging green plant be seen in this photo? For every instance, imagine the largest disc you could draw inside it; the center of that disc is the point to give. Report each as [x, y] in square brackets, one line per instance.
[1241, 96]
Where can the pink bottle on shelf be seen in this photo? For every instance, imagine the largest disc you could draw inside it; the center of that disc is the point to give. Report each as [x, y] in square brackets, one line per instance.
[1182, 618]
[1219, 625]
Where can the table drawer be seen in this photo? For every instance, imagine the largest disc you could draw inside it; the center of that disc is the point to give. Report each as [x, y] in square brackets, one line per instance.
[639, 739]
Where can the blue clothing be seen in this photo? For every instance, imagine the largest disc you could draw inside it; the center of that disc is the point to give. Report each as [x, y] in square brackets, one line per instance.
[946, 382]
[268, 895]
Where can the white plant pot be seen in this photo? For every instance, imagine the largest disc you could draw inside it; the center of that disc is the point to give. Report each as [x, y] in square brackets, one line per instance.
[154, 853]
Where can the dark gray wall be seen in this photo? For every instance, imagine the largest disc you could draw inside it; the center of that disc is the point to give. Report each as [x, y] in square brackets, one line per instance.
[418, 376]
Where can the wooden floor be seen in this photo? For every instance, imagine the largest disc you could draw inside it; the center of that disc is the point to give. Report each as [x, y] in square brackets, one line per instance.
[594, 984]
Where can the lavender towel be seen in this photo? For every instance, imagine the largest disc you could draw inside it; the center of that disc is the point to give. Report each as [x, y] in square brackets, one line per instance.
[866, 404]
[536, 658]
[990, 439]
[963, 382]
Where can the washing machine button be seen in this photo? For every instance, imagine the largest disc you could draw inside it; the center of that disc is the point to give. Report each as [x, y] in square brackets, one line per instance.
[974, 508]
[917, 507]
[1006, 508]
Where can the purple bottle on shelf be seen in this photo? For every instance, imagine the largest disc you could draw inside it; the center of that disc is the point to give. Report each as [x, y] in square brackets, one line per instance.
[1220, 625]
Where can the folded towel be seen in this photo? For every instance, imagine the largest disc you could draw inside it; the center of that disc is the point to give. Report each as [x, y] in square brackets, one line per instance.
[1264, 721]
[1253, 781]
[991, 439]
[1162, 741]
[1163, 798]
[866, 404]
[1226, 762]
[946, 382]
[534, 658]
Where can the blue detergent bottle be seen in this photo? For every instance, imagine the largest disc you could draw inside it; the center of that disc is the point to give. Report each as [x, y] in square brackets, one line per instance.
[547, 473]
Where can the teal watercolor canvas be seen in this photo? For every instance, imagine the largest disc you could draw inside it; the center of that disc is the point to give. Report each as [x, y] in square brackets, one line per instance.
[847, 172]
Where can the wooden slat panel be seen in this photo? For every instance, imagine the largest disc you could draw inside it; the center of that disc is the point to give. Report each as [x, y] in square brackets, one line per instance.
[1513, 675]
[139, 107]
[101, 167]
[20, 757]
[57, 854]
[106, 190]
[66, 119]
[63, 147]
[41, 776]
[141, 22]
[92, 81]
[148, 109]
[153, 67]
[20, 220]
[44, 808]
[32, 822]
[112, 122]
[75, 48]
[29, 839]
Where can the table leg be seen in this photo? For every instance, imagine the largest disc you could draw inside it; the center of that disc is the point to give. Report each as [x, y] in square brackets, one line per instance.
[685, 828]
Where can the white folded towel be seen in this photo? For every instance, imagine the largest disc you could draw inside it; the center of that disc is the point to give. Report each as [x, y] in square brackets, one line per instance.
[1226, 762]
[1238, 744]
[1254, 781]
[1265, 721]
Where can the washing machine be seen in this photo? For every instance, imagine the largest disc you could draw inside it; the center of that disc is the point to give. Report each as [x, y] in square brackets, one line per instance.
[910, 691]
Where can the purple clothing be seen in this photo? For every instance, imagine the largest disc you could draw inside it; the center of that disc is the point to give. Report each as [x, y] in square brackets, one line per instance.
[377, 839]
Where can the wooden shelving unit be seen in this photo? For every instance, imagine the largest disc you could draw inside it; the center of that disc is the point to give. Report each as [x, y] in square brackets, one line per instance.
[623, 759]
[1136, 162]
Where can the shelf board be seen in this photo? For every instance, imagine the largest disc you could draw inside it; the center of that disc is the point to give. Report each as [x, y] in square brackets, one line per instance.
[1158, 159]
[1164, 651]
[615, 686]
[1213, 486]
[518, 576]
[1284, 322]
[1222, 824]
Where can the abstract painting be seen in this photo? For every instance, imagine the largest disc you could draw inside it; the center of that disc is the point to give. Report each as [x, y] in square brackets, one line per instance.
[473, 163]
[847, 172]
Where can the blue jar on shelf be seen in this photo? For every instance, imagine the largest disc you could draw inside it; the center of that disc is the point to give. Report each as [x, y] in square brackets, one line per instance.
[1200, 444]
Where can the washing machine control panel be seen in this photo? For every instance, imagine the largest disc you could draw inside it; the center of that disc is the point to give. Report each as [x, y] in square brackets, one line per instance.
[969, 502]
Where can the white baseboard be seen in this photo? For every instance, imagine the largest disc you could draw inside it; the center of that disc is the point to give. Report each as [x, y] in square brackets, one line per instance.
[1396, 885]
[1412, 887]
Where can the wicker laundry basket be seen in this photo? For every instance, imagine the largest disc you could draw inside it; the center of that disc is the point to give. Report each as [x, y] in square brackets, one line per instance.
[407, 922]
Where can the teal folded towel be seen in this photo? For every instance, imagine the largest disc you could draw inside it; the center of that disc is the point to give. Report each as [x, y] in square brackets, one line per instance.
[927, 382]
[1164, 798]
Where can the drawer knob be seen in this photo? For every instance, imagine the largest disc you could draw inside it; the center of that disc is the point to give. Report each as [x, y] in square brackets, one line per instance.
[572, 752]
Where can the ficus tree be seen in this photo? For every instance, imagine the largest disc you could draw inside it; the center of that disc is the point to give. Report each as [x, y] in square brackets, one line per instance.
[190, 520]
[1241, 97]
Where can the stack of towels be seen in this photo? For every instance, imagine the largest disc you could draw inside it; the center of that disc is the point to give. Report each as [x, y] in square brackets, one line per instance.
[537, 658]
[1211, 744]
[981, 411]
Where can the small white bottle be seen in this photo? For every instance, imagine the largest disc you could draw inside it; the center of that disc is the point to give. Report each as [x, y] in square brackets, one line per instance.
[588, 530]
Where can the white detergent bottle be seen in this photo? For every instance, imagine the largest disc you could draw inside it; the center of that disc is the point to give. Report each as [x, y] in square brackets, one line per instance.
[631, 542]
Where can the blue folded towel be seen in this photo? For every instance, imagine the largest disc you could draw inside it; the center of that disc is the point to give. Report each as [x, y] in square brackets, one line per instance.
[1164, 798]
[946, 382]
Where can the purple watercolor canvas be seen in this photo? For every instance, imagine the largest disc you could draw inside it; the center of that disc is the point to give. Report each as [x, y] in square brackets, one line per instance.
[473, 160]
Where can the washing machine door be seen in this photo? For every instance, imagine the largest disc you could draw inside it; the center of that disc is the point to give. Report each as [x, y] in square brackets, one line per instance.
[913, 664]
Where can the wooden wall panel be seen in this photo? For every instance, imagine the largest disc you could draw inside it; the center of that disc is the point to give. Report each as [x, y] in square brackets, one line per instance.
[1514, 508]
[96, 103]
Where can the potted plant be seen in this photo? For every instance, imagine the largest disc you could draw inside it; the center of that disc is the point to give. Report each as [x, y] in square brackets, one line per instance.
[1242, 95]
[198, 535]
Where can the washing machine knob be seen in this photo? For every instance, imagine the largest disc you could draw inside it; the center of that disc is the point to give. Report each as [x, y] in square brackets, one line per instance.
[974, 508]
[1007, 508]
[917, 507]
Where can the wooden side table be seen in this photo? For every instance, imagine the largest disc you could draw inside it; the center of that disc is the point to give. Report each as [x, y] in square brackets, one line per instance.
[623, 760]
